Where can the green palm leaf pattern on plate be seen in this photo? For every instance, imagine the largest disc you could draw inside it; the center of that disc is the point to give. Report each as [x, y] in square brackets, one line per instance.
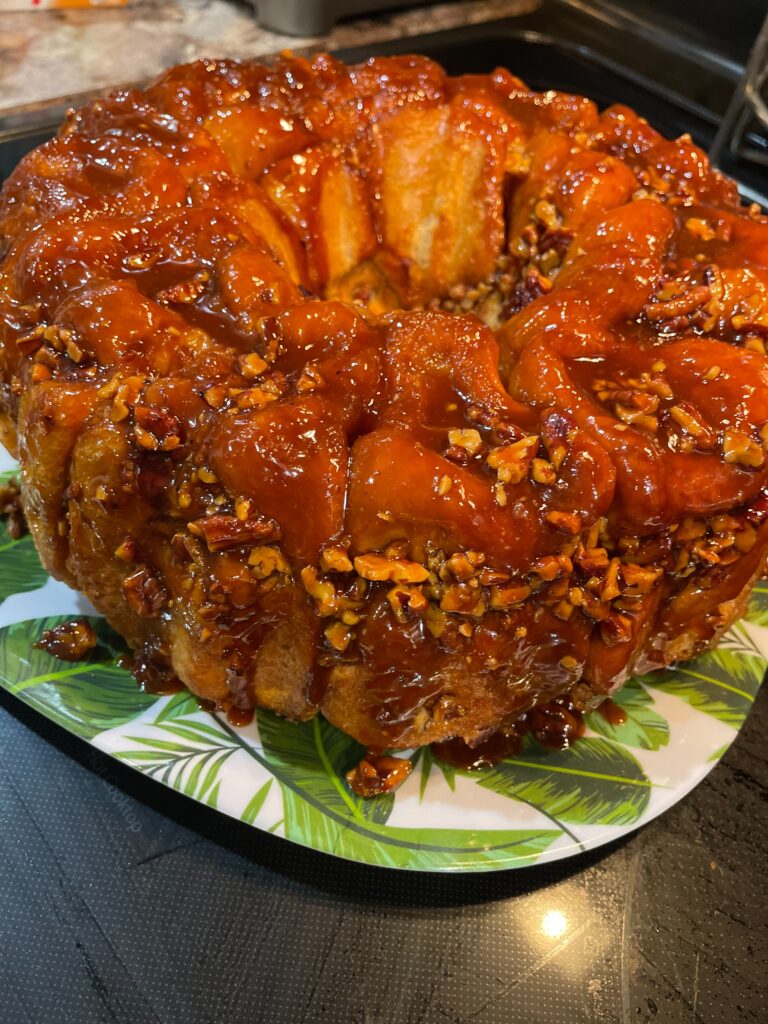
[86, 697]
[643, 727]
[21, 569]
[757, 612]
[594, 782]
[425, 761]
[322, 812]
[190, 760]
[722, 683]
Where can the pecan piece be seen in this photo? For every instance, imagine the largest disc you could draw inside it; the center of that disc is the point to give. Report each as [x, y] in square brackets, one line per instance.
[378, 774]
[335, 559]
[469, 439]
[144, 592]
[463, 599]
[69, 641]
[506, 597]
[266, 561]
[10, 506]
[157, 430]
[394, 570]
[511, 461]
[223, 532]
[338, 636]
[740, 448]
[407, 602]
[565, 522]
[552, 567]
[693, 423]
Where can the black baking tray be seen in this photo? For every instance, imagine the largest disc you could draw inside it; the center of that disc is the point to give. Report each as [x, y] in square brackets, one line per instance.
[680, 82]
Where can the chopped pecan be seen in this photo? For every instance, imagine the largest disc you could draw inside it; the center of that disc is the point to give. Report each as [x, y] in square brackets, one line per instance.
[565, 522]
[436, 620]
[640, 578]
[322, 591]
[215, 396]
[31, 341]
[592, 560]
[552, 567]
[752, 313]
[738, 447]
[157, 429]
[126, 550]
[506, 597]
[491, 577]
[339, 636]
[455, 453]
[407, 602]
[547, 213]
[258, 397]
[463, 599]
[395, 570]
[223, 532]
[463, 564]
[557, 431]
[40, 373]
[690, 529]
[144, 592]
[543, 472]
[125, 395]
[378, 774]
[468, 439]
[69, 641]
[266, 561]
[187, 549]
[637, 417]
[693, 423]
[592, 606]
[745, 539]
[10, 506]
[700, 229]
[511, 461]
[616, 629]
[310, 380]
[252, 365]
[335, 559]
[610, 587]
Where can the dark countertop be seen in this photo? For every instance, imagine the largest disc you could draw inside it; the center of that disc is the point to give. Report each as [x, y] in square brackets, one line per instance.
[125, 903]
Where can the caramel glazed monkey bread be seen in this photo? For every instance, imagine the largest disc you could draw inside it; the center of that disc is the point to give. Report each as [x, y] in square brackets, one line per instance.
[419, 402]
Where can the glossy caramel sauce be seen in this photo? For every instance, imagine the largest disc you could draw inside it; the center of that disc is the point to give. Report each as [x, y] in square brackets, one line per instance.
[69, 641]
[150, 668]
[612, 712]
[555, 726]
[423, 402]
[239, 717]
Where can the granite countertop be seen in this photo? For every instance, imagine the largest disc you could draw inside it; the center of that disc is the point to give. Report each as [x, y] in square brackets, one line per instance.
[52, 55]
